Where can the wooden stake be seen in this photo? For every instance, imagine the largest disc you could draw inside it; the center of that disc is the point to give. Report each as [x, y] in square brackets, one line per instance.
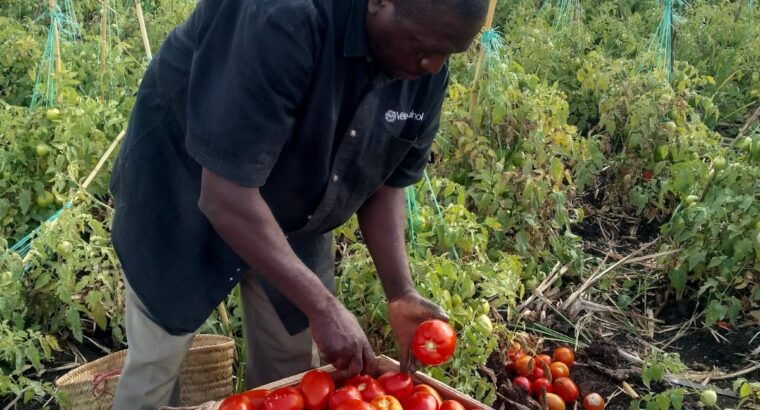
[103, 47]
[56, 41]
[481, 58]
[103, 160]
[143, 31]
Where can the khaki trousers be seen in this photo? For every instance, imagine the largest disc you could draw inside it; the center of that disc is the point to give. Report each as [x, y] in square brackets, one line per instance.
[150, 378]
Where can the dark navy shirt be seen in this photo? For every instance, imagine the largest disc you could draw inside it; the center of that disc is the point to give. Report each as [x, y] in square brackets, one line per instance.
[276, 94]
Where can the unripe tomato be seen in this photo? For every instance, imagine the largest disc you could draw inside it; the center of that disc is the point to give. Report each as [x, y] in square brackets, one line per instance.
[525, 365]
[719, 163]
[564, 355]
[593, 401]
[559, 369]
[565, 388]
[554, 402]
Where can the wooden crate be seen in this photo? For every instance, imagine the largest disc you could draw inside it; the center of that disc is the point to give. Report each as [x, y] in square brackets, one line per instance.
[384, 364]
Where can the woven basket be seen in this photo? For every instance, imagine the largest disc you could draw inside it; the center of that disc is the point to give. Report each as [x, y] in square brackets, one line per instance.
[206, 375]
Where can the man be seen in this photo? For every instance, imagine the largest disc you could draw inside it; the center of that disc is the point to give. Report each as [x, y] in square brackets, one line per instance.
[259, 127]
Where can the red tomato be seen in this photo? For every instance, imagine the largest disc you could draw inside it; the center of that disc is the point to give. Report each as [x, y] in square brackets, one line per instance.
[343, 394]
[386, 403]
[237, 402]
[434, 342]
[397, 384]
[256, 397]
[647, 175]
[370, 389]
[513, 360]
[525, 365]
[543, 358]
[540, 384]
[316, 388]
[522, 382]
[593, 401]
[353, 404]
[565, 388]
[554, 402]
[564, 355]
[537, 373]
[429, 389]
[451, 405]
[284, 398]
[420, 400]
[559, 369]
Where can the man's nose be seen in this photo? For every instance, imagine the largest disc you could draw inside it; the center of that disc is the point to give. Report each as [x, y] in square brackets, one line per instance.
[433, 64]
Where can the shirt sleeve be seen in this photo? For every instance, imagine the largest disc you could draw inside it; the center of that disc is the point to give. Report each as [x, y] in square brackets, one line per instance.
[412, 167]
[250, 71]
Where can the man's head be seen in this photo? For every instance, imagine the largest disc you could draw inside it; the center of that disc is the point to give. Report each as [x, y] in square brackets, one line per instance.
[410, 38]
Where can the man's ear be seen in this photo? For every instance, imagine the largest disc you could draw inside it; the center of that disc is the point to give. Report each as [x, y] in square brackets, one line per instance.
[375, 6]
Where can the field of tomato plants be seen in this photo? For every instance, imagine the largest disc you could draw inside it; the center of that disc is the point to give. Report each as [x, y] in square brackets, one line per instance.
[602, 195]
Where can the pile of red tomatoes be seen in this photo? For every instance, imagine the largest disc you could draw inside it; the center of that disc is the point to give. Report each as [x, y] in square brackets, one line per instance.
[548, 378]
[317, 391]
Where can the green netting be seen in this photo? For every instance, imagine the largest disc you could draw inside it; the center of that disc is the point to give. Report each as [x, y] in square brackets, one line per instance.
[566, 10]
[661, 46]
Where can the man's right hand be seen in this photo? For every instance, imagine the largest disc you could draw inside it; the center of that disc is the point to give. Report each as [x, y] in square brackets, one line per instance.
[340, 339]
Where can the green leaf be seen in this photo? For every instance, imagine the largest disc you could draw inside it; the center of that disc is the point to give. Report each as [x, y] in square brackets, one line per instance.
[34, 356]
[696, 258]
[663, 401]
[715, 312]
[676, 398]
[745, 390]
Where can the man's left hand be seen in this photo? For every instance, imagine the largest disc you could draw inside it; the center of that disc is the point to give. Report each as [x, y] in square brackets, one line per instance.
[405, 313]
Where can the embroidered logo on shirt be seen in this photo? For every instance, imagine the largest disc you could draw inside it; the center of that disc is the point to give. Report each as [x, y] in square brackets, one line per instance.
[393, 116]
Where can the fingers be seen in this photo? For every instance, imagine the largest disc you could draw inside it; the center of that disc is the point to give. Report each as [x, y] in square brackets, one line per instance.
[370, 360]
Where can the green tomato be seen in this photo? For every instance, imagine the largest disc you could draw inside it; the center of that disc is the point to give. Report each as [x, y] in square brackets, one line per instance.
[485, 307]
[669, 128]
[531, 283]
[708, 397]
[691, 199]
[719, 163]
[41, 150]
[64, 248]
[456, 301]
[744, 144]
[45, 199]
[485, 322]
[53, 114]
[661, 152]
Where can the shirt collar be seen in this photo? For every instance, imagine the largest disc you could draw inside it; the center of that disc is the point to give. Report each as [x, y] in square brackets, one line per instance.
[355, 41]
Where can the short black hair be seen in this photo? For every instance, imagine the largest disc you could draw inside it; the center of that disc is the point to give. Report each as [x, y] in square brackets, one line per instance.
[470, 11]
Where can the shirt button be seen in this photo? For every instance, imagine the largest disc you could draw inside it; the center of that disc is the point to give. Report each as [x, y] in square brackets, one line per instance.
[352, 133]
[231, 279]
[335, 178]
[308, 217]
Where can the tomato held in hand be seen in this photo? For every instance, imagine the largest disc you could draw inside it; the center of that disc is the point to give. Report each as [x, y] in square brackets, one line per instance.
[420, 400]
[397, 384]
[559, 369]
[353, 404]
[256, 397]
[345, 393]
[564, 355]
[554, 402]
[433, 392]
[539, 385]
[451, 405]
[386, 403]
[593, 401]
[434, 342]
[316, 388]
[284, 398]
[565, 388]
[237, 402]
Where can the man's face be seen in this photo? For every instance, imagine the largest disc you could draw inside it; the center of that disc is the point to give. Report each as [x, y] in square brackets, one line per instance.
[409, 47]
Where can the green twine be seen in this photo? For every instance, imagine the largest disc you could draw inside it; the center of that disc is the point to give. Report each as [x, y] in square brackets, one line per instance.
[566, 8]
[47, 66]
[409, 197]
[492, 41]
[23, 246]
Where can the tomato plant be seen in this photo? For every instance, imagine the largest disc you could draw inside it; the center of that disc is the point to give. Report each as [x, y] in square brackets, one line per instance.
[316, 387]
[434, 342]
